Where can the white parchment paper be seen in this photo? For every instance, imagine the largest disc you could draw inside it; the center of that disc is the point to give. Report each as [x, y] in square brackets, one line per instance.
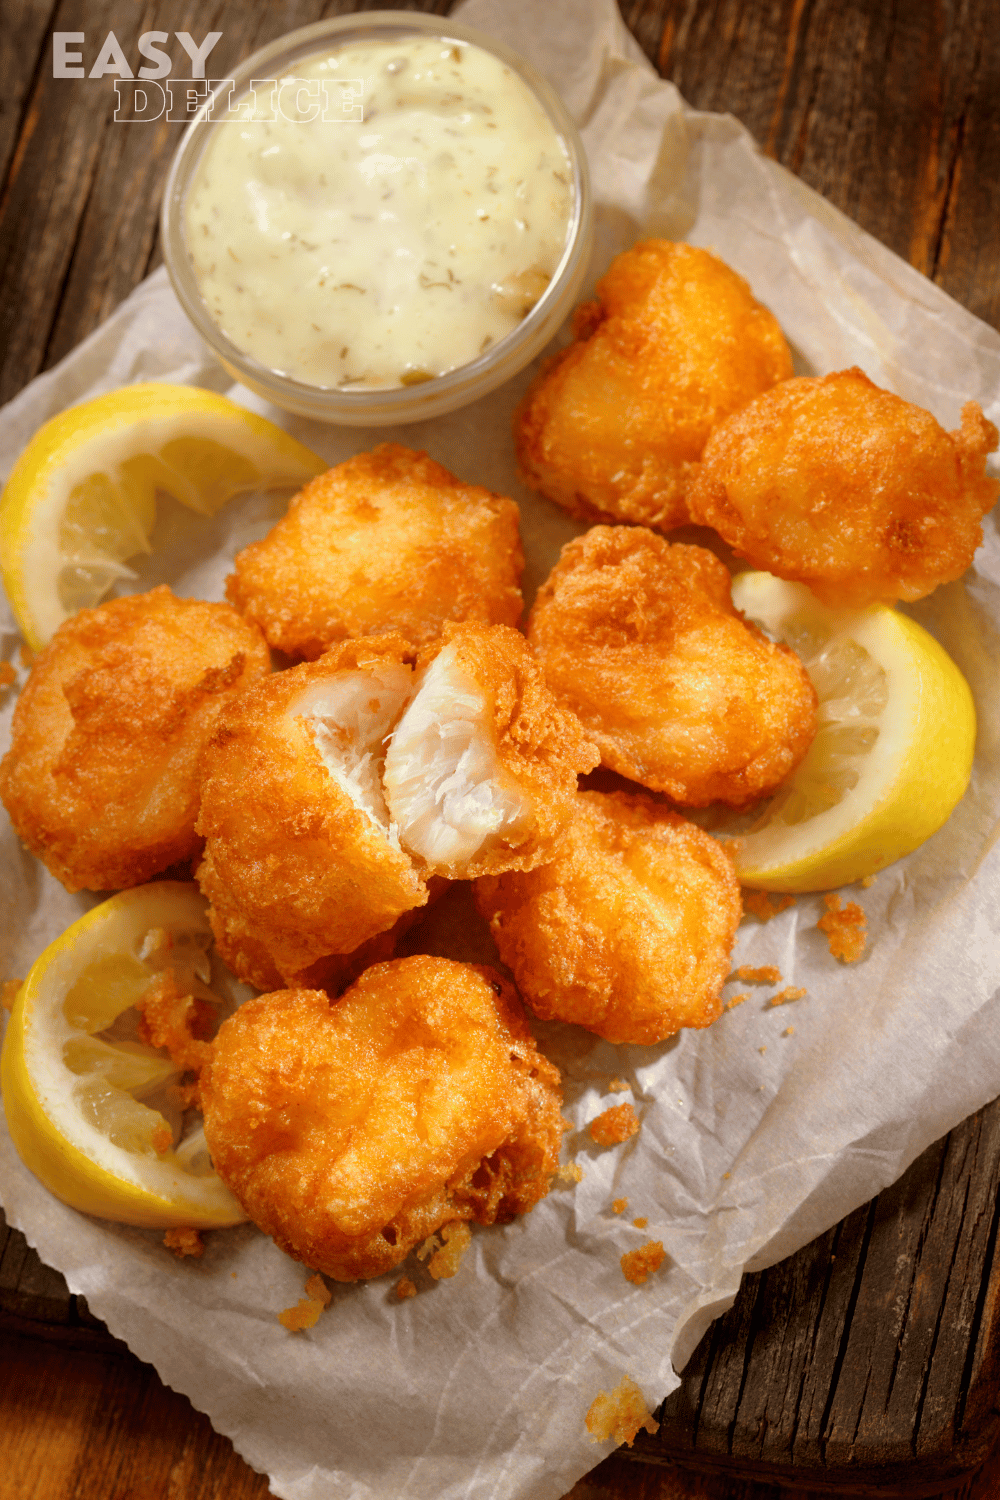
[752, 1141]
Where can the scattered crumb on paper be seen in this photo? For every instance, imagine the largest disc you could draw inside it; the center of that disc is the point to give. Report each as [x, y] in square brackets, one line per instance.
[614, 1125]
[619, 1206]
[184, 1242]
[844, 927]
[305, 1313]
[785, 996]
[405, 1288]
[867, 881]
[640, 1223]
[637, 1265]
[763, 905]
[568, 1171]
[768, 974]
[736, 1000]
[618, 1086]
[788, 1031]
[619, 1414]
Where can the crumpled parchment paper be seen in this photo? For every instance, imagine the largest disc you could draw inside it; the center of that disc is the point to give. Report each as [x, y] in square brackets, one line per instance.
[752, 1141]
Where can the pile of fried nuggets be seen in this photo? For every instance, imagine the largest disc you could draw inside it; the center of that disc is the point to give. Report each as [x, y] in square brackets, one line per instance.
[364, 1101]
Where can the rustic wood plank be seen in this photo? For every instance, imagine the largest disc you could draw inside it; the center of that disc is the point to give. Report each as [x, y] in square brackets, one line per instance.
[95, 1424]
[23, 54]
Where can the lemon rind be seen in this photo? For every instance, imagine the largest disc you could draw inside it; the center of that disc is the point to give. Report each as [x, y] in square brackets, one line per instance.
[37, 1116]
[931, 697]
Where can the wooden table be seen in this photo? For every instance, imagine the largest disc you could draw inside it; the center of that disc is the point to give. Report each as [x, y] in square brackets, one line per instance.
[868, 1362]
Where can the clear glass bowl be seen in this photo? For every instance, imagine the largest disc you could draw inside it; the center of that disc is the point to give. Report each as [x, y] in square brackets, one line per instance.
[442, 393]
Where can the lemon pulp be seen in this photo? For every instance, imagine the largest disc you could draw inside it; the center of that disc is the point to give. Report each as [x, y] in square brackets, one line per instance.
[81, 499]
[91, 1107]
[893, 749]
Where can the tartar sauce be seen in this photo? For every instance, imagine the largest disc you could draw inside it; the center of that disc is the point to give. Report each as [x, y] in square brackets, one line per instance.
[384, 252]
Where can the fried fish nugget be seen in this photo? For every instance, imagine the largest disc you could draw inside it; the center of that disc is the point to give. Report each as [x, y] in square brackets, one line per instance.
[483, 763]
[101, 779]
[388, 541]
[628, 932]
[640, 639]
[350, 1131]
[843, 486]
[613, 427]
[300, 859]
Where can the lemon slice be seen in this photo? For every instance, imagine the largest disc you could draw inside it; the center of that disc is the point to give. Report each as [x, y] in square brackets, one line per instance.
[892, 754]
[81, 499]
[88, 1105]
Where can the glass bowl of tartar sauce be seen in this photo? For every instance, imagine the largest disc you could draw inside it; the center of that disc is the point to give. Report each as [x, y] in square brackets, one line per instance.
[379, 218]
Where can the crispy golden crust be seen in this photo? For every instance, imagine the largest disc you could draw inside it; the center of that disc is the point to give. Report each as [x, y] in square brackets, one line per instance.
[101, 778]
[838, 484]
[640, 639]
[613, 426]
[351, 1131]
[293, 869]
[387, 541]
[629, 931]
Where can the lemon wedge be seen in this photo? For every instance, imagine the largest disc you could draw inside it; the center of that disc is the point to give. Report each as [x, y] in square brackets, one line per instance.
[81, 499]
[88, 1104]
[892, 754]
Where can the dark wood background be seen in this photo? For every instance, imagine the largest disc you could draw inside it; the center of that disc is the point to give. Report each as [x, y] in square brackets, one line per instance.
[868, 1363]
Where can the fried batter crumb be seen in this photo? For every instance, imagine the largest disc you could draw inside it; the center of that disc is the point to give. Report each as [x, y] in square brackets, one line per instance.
[619, 1206]
[305, 1314]
[867, 881]
[614, 1125]
[7, 675]
[569, 1171]
[736, 1000]
[8, 992]
[619, 1414]
[788, 1031]
[618, 1086]
[184, 1242]
[640, 1223]
[637, 1265]
[764, 906]
[766, 975]
[317, 1289]
[762, 1050]
[162, 1139]
[405, 1288]
[171, 1019]
[844, 927]
[787, 994]
[457, 1237]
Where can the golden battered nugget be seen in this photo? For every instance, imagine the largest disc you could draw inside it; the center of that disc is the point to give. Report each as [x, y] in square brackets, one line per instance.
[483, 764]
[629, 930]
[101, 779]
[352, 1130]
[388, 541]
[843, 486]
[613, 426]
[301, 861]
[640, 639]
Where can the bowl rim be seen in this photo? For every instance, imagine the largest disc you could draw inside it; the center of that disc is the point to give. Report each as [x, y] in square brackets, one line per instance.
[442, 392]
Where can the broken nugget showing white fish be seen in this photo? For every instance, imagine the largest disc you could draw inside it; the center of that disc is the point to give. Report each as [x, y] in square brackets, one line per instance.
[301, 860]
[481, 769]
